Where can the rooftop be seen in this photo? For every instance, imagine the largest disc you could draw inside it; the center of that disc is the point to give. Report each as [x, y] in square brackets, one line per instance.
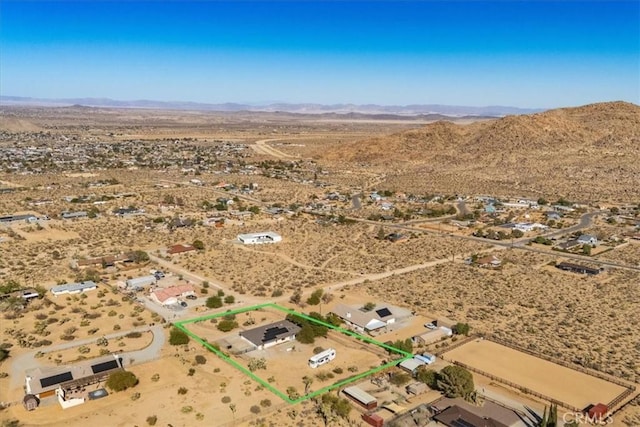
[73, 287]
[271, 332]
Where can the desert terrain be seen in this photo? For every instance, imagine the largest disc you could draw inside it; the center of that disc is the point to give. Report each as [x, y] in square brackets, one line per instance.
[368, 210]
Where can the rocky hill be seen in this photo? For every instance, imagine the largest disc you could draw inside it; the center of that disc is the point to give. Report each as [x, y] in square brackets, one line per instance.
[588, 153]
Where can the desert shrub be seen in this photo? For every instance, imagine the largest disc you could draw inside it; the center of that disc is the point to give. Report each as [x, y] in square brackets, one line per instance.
[225, 399]
[155, 378]
[400, 379]
[255, 409]
[134, 334]
[229, 299]
[337, 371]
[214, 302]
[186, 409]
[227, 325]
[200, 359]
[178, 337]
[265, 403]
[152, 420]
[191, 372]
[182, 390]
[257, 363]
[121, 380]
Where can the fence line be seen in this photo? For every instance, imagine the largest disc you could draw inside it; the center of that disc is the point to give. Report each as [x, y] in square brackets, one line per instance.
[629, 389]
[578, 368]
[519, 387]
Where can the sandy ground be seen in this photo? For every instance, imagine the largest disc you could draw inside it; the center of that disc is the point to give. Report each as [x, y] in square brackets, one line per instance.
[550, 379]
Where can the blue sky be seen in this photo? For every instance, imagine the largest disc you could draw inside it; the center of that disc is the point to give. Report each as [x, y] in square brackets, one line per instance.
[540, 53]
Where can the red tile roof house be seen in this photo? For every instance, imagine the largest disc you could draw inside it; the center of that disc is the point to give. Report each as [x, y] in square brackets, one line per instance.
[489, 261]
[178, 249]
[169, 296]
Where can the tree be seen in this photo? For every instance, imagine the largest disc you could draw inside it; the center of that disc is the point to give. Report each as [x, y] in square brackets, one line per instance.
[542, 201]
[427, 376]
[369, 306]
[400, 379]
[406, 345]
[121, 380]
[178, 337]
[306, 335]
[461, 328]
[4, 353]
[456, 381]
[229, 299]
[198, 244]
[315, 297]
[140, 256]
[214, 302]
[586, 249]
[381, 234]
[296, 297]
[516, 234]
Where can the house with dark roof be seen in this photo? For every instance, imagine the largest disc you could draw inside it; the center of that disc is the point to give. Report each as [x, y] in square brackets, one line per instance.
[42, 382]
[456, 416]
[576, 268]
[272, 334]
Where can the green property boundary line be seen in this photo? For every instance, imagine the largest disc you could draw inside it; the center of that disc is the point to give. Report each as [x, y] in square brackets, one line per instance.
[181, 325]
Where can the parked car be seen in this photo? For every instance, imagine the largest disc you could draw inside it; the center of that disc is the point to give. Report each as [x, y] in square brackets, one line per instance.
[191, 297]
[182, 303]
[429, 326]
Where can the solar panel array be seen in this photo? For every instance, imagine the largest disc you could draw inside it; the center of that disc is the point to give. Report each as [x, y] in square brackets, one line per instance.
[56, 379]
[273, 332]
[383, 312]
[105, 366]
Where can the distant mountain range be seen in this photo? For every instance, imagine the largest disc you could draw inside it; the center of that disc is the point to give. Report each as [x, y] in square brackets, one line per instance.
[402, 110]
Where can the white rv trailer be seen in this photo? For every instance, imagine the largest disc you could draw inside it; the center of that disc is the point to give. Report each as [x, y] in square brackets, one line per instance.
[322, 358]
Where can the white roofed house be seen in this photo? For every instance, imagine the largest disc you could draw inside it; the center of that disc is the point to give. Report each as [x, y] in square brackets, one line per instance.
[138, 283]
[74, 288]
[259, 238]
[365, 321]
[588, 239]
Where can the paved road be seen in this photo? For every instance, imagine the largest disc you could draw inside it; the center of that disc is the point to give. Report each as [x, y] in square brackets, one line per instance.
[261, 147]
[26, 361]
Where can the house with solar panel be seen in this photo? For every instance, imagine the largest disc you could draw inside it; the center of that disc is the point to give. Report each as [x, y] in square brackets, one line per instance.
[272, 334]
[362, 320]
[69, 382]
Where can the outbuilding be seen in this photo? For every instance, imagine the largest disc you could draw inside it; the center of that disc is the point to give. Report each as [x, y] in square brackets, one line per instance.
[138, 283]
[361, 397]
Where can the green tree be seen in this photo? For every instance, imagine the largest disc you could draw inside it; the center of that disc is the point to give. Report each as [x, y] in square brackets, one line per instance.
[586, 249]
[306, 335]
[4, 353]
[121, 380]
[461, 328]
[404, 345]
[229, 299]
[400, 378]
[140, 256]
[542, 201]
[178, 337]
[214, 302]
[456, 381]
[198, 244]
[315, 297]
[427, 376]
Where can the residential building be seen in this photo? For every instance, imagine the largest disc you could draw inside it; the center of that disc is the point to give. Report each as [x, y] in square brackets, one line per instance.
[74, 215]
[178, 249]
[365, 321]
[272, 334]
[588, 239]
[169, 296]
[138, 283]
[259, 238]
[489, 261]
[74, 288]
[411, 365]
[575, 268]
[42, 382]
